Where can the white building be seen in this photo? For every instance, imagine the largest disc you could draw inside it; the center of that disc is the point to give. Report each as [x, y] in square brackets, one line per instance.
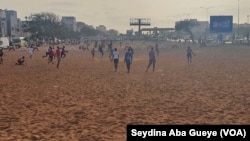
[3, 23]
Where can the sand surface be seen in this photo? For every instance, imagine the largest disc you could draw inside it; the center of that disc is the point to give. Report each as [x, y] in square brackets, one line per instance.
[86, 100]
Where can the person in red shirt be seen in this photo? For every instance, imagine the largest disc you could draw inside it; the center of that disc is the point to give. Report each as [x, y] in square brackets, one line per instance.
[58, 56]
[51, 55]
[20, 61]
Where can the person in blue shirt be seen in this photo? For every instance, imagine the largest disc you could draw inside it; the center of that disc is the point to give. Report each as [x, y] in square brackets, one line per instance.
[128, 59]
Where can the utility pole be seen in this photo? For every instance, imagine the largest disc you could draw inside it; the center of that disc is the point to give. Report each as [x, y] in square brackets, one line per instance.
[248, 19]
[238, 16]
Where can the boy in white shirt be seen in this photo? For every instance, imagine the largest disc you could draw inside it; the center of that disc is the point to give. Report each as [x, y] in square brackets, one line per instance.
[31, 50]
[116, 58]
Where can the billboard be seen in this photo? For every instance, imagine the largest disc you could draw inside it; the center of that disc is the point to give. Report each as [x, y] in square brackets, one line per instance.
[221, 24]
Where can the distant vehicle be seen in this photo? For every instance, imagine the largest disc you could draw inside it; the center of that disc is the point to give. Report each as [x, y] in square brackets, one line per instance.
[19, 42]
[4, 42]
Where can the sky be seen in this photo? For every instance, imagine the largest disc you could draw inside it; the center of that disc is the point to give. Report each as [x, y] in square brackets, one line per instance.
[115, 14]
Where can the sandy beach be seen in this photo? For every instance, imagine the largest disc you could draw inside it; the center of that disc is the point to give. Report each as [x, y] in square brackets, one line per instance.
[86, 100]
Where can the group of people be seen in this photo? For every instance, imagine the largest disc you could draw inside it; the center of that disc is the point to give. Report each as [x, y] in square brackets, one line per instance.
[59, 53]
[128, 57]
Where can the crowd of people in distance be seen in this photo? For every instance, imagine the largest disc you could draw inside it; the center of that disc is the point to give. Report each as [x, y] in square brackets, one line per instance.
[114, 56]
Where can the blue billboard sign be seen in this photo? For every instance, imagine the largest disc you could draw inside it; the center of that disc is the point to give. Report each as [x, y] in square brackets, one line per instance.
[221, 24]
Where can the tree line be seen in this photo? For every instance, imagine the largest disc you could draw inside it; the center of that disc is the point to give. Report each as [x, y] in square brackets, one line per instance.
[48, 26]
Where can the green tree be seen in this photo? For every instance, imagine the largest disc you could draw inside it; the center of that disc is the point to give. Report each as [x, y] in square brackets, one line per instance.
[87, 31]
[186, 26]
[113, 32]
[43, 25]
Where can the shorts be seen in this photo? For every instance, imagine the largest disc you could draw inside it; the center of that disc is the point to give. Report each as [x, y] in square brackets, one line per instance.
[189, 55]
[116, 61]
[152, 61]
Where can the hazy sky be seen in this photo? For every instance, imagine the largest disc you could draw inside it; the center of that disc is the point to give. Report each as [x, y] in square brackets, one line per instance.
[115, 14]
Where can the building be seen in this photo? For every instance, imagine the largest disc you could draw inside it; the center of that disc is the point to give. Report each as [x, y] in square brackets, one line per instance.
[12, 23]
[70, 22]
[80, 25]
[3, 23]
[101, 28]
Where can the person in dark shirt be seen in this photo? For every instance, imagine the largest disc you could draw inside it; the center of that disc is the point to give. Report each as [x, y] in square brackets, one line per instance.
[1, 55]
[63, 52]
[20, 61]
[128, 59]
[189, 54]
[152, 59]
[93, 52]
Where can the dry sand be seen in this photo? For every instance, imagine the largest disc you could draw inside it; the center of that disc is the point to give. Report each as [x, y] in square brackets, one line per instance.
[86, 100]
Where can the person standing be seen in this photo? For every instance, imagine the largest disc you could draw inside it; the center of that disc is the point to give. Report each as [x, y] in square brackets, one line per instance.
[189, 54]
[131, 51]
[31, 51]
[1, 55]
[128, 59]
[58, 56]
[101, 49]
[152, 59]
[115, 58]
[93, 52]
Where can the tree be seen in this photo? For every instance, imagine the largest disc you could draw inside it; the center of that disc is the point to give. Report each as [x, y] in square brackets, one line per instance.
[43, 25]
[87, 31]
[186, 26]
[113, 32]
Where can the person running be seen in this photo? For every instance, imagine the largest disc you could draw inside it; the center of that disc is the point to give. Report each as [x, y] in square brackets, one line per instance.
[101, 49]
[189, 55]
[115, 57]
[111, 54]
[93, 52]
[58, 56]
[1, 55]
[51, 55]
[63, 52]
[20, 61]
[110, 45]
[152, 59]
[128, 59]
[95, 44]
[31, 51]
[47, 52]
